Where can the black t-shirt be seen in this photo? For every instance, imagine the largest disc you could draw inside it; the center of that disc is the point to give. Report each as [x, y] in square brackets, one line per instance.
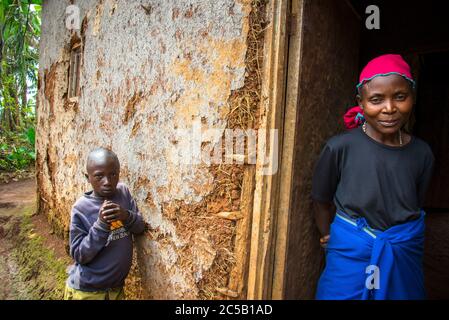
[384, 184]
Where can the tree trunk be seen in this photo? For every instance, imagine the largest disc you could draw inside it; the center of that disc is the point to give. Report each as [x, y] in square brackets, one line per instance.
[24, 102]
[12, 108]
[9, 122]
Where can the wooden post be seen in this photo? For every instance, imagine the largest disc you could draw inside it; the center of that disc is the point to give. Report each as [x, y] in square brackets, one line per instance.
[239, 274]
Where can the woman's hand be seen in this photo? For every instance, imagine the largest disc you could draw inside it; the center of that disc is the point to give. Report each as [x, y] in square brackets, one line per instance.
[324, 240]
[324, 213]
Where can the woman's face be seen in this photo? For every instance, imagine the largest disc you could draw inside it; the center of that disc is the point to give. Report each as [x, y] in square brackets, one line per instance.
[387, 102]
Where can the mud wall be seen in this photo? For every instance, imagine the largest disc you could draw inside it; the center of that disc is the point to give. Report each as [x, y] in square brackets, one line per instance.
[150, 69]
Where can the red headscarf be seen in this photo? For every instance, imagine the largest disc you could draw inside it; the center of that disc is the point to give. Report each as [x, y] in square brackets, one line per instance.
[381, 66]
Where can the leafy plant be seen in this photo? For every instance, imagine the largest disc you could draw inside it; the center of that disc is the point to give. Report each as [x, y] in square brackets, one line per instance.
[17, 150]
[19, 41]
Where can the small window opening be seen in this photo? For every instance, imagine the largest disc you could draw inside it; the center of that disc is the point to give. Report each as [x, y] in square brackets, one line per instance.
[74, 71]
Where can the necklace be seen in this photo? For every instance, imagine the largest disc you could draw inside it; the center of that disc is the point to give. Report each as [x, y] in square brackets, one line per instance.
[400, 134]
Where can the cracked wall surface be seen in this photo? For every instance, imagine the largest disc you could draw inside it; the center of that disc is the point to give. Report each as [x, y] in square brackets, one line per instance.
[149, 69]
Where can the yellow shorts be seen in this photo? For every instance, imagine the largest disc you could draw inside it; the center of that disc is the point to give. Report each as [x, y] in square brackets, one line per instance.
[113, 294]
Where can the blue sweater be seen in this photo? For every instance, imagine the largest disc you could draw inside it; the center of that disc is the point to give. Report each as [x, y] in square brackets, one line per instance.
[102, 254]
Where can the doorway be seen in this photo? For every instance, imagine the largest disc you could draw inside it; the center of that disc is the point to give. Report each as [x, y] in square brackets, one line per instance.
[432, 125]
[335, 45]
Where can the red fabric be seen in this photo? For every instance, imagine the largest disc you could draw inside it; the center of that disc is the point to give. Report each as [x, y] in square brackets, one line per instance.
[387, 63]
[380, 66]
[350, 118]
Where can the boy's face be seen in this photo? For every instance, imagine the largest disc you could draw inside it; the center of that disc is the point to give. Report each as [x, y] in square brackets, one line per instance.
[103, 175]
[387, 102]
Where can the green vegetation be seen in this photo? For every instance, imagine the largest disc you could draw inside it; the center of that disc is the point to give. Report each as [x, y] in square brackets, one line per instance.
[32, 270]
[43, 273]
[17, 149]
[19, 39]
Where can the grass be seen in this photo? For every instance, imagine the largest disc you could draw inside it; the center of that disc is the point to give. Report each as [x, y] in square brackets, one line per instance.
[43, 273]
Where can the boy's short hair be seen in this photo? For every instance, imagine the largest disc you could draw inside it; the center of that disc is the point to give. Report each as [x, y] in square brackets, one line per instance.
[99, 153]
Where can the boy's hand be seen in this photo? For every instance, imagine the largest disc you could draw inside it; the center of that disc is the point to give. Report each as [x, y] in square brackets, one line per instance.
[324, 240]
[110, 212]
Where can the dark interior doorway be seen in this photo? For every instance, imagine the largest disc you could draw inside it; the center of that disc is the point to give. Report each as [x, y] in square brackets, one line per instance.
[335, 46]
[432, 125]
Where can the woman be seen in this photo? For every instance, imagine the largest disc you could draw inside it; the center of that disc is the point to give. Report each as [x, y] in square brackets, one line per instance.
[377, 176]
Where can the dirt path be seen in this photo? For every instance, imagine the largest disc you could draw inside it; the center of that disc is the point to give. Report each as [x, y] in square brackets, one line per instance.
[14, 198]
[16, 194]
[17, 199]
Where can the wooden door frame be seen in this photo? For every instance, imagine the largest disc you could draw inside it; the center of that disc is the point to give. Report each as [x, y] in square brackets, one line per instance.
[272, 194]
[287, 169]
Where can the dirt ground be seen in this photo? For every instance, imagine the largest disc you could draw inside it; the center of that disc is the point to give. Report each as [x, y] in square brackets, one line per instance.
[17, 199]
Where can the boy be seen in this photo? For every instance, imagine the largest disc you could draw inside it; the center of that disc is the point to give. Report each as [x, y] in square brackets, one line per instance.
[102, 222]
